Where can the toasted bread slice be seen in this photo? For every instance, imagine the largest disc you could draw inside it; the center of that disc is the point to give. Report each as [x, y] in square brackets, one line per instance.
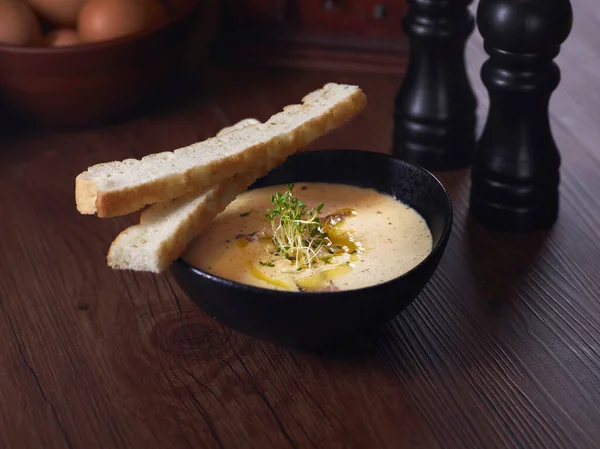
[118, 188]
[166, 228]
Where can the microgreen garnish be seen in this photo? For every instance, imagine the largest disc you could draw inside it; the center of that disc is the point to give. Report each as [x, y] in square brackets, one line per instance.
[297, 232]
[266, 264]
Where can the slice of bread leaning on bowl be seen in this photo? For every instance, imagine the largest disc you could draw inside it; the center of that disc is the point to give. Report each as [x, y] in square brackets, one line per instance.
[187, 188]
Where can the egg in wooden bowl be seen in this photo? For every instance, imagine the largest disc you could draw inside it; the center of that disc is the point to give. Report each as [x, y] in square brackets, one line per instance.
[372, 232]
[89, 61]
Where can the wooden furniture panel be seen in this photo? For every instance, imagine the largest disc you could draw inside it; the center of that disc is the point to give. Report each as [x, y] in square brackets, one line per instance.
[256, 13]
[356, 18]
[326, 34]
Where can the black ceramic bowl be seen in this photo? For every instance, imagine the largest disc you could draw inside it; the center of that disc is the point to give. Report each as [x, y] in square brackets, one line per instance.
[324, 318]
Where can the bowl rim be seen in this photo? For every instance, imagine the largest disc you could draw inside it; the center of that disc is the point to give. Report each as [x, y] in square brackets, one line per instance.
[186, 7]
[297, 294]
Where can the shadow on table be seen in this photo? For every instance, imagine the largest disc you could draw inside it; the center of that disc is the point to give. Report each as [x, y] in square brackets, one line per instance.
[360, 347]
[498, 262]
[180, 88]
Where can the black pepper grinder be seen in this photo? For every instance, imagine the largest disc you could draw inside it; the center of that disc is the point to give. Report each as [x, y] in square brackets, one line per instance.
[515, 174]
[434, 117]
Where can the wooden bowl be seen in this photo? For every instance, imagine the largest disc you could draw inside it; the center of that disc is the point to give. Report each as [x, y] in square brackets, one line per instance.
[319, 319]
[92, 83]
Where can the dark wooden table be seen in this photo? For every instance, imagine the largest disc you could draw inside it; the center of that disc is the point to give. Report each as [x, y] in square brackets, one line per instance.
[502, 349]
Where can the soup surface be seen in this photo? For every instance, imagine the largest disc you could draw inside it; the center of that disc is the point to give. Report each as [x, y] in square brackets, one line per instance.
[362, 238]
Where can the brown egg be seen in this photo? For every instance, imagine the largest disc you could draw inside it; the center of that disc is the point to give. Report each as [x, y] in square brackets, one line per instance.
[18, 24]
[61, 37]
[101, 20]
[57, 12]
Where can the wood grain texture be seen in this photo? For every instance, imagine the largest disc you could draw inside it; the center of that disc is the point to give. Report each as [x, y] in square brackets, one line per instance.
[502, 349]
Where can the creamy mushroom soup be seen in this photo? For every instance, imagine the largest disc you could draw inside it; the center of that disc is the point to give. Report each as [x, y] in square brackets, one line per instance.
[312, 237]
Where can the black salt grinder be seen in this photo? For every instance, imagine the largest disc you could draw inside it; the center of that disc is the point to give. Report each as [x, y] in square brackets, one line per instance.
[515, 174]
[434, 114]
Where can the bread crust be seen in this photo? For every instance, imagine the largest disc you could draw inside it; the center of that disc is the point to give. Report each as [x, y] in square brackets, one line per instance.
[85, 195]
[91, 197]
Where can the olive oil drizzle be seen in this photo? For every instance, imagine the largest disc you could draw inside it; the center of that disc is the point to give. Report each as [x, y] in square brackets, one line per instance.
[329, 248]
